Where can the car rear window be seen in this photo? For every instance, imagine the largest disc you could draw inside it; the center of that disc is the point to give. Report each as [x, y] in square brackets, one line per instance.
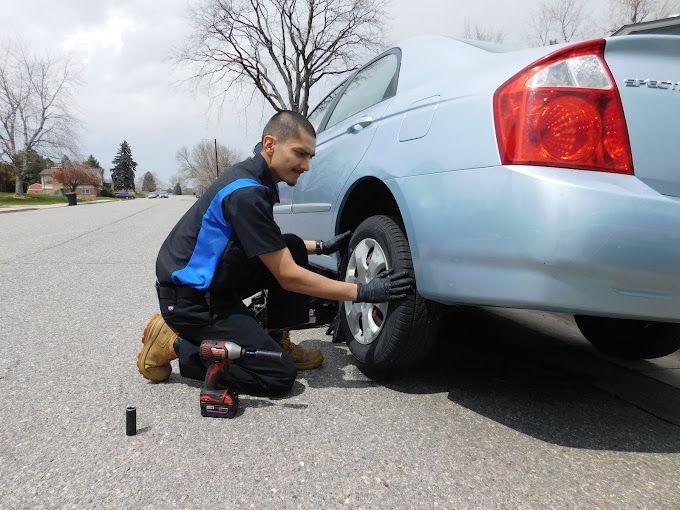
[317, 115]
[367, 88]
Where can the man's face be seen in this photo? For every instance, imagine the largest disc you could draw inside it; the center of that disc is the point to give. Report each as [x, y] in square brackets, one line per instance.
[289, 159]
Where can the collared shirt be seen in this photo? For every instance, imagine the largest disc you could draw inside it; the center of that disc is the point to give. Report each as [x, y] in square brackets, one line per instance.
[233, 221]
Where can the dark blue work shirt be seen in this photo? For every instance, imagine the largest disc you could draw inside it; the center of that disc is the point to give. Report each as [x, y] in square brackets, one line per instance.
[232, 222]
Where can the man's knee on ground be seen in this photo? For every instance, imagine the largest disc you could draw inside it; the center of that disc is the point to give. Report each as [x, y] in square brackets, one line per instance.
[297, 249]
[282, 384]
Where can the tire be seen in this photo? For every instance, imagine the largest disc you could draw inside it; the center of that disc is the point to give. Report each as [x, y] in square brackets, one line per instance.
[630, 339]
[409, 327]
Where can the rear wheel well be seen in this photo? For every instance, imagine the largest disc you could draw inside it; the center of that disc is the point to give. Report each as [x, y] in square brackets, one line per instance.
[368, 197]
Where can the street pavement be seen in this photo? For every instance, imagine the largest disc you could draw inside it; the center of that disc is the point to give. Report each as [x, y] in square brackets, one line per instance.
[512, 410]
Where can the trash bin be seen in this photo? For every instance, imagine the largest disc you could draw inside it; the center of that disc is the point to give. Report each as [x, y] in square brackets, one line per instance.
[72, 199]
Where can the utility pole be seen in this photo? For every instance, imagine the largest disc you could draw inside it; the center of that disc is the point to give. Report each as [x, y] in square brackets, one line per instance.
[217, 168]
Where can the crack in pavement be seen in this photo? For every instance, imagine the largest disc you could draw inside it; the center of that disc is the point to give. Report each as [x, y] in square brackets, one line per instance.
[7, 366]
[43, 250]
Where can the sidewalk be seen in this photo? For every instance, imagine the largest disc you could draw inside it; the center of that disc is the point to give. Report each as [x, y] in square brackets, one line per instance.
[19, 208]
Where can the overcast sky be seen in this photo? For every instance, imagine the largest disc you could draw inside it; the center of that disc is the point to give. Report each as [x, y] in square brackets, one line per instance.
[131, 91]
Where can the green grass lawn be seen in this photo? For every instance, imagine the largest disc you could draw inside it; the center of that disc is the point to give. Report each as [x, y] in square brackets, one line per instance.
[8, 200]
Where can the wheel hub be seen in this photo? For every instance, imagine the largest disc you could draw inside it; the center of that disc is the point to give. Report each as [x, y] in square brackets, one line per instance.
[365, 320]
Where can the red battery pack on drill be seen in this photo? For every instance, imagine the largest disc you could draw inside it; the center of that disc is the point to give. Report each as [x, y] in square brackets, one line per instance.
[219, 404]
[222, 402]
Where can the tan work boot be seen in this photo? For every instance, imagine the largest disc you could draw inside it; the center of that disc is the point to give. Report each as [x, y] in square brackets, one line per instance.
[153, 360]
[305, 359]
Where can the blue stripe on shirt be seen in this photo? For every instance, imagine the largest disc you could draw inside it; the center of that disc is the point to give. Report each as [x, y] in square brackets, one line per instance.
[212, 240]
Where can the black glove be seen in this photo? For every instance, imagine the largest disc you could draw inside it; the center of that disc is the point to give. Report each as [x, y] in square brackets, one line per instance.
[385, 287]
[333, 245]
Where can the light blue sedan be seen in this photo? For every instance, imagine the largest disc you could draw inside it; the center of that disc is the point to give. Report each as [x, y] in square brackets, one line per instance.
[543, 179]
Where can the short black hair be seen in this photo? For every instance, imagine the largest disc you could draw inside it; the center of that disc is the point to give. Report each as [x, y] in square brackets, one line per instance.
[287, 124]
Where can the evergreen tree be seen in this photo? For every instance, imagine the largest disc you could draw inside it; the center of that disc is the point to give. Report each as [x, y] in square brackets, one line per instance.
[178, 189]
[92, 162]
[123, 171]
[7, 177]
[149, 183]
[34, 164]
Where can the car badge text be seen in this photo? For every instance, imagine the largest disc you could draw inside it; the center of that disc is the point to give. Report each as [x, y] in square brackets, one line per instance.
[652, 84]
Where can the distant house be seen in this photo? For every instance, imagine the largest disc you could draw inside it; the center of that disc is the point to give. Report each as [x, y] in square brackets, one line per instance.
[37, 189]
[48, 185]
[668, 26]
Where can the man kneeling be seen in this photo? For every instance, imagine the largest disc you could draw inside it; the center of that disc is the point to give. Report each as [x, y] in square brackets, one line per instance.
[228, 247]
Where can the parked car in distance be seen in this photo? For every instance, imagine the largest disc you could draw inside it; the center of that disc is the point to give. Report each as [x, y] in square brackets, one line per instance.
[163, 194]
[544, 178]
[153, 194]
[124, 194]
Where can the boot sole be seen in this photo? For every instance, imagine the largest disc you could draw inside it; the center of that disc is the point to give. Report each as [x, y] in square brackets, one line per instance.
[141, 355]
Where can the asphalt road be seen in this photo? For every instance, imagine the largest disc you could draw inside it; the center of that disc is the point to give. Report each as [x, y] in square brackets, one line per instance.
[501, 416]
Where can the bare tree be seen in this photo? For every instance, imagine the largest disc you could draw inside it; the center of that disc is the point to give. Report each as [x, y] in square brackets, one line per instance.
[625, 12]
[540, 27]
[72, 175]
[558, 21]
[198, 164]
[628, 12]
[667, 8]
[282, 47]
[481, 33]
[35, 108]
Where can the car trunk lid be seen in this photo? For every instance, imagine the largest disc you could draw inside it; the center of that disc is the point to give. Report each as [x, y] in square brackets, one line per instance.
[647, 73]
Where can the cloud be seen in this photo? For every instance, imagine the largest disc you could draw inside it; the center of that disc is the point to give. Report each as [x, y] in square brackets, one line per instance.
[110, 35]
[130, 89]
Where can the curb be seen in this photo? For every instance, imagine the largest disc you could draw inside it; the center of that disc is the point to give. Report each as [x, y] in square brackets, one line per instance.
[94, 202]
[20, 208]
[7, 211]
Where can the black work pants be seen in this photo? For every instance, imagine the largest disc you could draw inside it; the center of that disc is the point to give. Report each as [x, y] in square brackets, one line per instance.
[224, 317]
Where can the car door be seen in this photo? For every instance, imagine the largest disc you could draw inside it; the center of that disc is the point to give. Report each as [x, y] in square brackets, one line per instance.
[283, 211]
[345, 135]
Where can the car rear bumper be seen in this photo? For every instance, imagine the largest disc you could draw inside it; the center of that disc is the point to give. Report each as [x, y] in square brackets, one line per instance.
[544, 238]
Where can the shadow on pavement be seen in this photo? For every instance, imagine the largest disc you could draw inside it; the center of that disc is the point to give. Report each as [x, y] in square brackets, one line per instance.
[504, 371]
[247, 403]
[332, 373]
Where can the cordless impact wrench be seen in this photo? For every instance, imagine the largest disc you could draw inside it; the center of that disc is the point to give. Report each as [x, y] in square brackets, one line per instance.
[223, 402]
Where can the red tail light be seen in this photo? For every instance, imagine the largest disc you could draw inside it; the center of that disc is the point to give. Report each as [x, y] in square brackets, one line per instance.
[564, 110]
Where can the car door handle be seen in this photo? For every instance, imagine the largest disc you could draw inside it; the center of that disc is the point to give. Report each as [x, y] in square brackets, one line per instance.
[355, 128]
